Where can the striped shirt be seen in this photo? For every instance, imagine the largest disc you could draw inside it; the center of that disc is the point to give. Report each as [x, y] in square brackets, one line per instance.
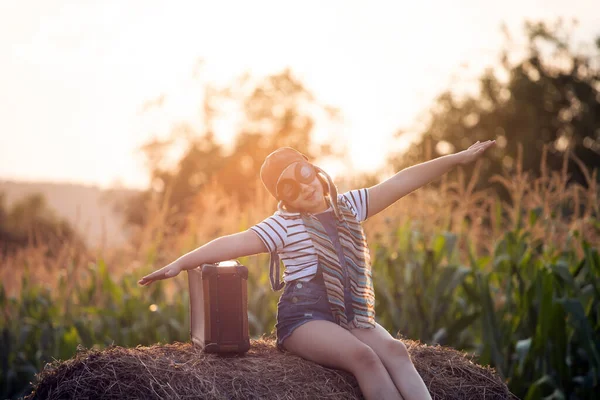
[285, 233]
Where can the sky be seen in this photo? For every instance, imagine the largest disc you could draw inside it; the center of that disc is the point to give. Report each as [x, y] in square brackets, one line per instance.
[75, 75]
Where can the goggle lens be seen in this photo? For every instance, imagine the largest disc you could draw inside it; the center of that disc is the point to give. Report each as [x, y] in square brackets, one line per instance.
[289, 189]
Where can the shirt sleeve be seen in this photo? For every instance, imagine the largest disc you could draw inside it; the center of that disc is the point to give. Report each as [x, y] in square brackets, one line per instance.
[272, 231]
[358, 201]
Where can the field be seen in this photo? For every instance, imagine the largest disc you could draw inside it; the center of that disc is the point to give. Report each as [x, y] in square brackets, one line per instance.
[515, 282]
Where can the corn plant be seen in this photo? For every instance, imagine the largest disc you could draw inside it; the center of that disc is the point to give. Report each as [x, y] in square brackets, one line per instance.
[540, 318]
[46, 323]
[419, 289]
[516, 284]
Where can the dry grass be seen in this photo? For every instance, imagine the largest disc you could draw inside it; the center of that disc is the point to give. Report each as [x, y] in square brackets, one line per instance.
[178, 370]
[181, 370]
[455, 206]
[480, 218]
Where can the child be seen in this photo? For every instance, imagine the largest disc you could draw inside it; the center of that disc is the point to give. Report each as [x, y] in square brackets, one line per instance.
[326, 312]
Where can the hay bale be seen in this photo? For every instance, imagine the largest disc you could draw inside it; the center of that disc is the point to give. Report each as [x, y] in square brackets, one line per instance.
[181, 370]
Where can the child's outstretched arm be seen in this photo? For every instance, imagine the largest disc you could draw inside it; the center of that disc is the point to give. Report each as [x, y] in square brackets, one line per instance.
[241, 244]
[389, 191]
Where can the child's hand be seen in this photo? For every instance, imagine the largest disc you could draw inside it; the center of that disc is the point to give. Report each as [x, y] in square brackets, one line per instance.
[169, 271]
[474, 152]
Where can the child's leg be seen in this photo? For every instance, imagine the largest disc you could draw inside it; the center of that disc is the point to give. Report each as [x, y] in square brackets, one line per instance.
[333, 346]
[396, 359]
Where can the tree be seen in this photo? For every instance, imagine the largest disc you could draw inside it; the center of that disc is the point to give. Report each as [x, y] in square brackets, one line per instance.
[550, 98]
[29, 222]
[277, 111]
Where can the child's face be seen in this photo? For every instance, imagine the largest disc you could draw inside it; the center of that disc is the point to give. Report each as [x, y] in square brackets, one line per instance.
[299, 187]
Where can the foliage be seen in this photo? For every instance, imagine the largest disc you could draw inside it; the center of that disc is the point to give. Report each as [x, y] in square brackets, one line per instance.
[515, 283]
[418, 287]
[88, 308]
[275, 111]
[511, 278]
[541, 320]
[29, 222]
[548, 97]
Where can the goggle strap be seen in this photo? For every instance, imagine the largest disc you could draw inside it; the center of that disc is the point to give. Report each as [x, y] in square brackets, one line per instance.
[333, 192]
[274, 272]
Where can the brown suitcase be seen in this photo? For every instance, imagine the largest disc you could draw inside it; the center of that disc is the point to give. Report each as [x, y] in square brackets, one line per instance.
[219, 307]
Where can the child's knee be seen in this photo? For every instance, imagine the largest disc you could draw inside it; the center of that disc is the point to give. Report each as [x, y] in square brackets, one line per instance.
[397, 349]
[364, 357]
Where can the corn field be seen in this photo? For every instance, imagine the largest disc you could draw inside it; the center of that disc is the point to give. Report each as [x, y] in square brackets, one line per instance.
[517, 283]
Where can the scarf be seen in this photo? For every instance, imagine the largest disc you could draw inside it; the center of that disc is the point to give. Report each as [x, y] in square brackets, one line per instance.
[358, 267]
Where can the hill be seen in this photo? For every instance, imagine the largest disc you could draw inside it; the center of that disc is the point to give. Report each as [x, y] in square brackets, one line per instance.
[89, 209]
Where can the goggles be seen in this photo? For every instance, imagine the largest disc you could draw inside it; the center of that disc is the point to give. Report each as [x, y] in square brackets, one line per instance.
[289, 189]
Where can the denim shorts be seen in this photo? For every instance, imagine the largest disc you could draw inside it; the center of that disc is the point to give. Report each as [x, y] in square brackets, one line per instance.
[302, 302]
